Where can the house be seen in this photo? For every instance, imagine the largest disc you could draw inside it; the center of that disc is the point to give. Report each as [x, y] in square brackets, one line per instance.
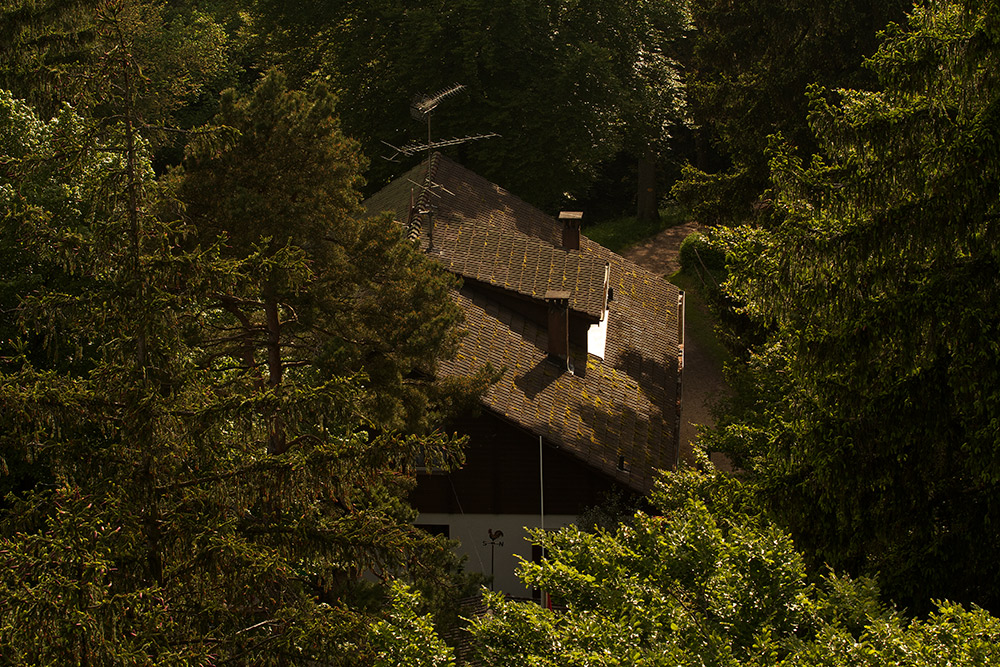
[592, 347]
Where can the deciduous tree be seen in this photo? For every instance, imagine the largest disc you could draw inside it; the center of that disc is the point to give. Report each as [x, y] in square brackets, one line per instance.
[566, 85]
[702, 582]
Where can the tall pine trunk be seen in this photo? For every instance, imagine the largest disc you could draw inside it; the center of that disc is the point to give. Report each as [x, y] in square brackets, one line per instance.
[646, 201]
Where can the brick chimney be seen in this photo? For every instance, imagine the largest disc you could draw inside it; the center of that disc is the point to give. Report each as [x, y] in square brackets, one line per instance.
[571, 229]
[558, 302]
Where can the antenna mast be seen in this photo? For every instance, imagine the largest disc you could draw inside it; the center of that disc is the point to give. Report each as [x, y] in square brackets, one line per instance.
[421, 109]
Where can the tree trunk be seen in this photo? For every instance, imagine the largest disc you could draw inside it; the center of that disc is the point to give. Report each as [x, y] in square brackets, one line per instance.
[274, 366]
[646, 204]
[700, 149]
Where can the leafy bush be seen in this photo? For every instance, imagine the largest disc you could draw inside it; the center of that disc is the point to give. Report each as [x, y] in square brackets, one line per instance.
[698, 253]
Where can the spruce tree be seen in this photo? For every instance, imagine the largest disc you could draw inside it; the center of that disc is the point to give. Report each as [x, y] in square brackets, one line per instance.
[875, 425]
[166, 506]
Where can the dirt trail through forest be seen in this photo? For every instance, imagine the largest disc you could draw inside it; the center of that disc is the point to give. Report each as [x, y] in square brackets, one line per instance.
[703, 382]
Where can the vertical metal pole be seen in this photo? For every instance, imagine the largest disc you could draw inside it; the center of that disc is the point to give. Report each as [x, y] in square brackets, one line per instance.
[429, 149]
[541, 503]
[682, 338]
[541, 484]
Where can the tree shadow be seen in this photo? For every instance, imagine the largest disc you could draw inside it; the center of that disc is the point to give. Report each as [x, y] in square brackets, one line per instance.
[538, 379]
[630, 441]
[658, 380]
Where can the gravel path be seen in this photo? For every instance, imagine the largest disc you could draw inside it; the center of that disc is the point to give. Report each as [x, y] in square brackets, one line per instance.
[703, 381]
[659, 254]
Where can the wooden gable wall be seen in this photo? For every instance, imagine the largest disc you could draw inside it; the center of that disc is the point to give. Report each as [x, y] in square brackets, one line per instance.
[501, 476]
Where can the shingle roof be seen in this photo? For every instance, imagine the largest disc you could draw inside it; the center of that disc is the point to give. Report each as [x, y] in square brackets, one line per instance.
[623, 406]
[484, 233]
[513, 261]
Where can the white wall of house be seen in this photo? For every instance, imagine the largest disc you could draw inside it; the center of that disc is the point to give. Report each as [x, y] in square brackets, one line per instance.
[472, 530]
[597, 337]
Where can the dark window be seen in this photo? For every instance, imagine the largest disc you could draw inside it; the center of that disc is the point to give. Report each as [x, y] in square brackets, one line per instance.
[442, 529]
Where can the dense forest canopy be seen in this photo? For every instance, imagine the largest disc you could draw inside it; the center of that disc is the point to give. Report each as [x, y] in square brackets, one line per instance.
[871, 313]
[216, 371]
[747, 76]
[201, 395]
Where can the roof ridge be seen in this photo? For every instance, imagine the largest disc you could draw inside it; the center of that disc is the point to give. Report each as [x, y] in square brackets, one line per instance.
[414, 224]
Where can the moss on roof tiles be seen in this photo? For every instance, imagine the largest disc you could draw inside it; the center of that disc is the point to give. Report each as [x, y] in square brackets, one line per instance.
[615, 407]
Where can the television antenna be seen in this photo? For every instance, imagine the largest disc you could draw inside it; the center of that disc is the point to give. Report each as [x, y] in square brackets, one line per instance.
[423, 105]
[431, 188]
[421, 109]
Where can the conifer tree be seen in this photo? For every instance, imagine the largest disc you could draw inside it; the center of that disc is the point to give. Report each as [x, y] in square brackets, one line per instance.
[874, 428]
[153, 518]
[369, 301]
[749, 71]
[53, 51]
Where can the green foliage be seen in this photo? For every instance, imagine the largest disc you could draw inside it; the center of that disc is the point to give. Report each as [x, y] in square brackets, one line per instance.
[184, 506]
[565, 85]
[676, 588]
[708, 582]
[404, 639]
[70, 50]
[363, 300]
[750, 68]
[613, 508]
[42, 45]
[872, 411]
[712, 197]
[698, 255]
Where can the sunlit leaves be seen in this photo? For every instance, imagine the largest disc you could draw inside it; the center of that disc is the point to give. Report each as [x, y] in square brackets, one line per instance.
[710, 582]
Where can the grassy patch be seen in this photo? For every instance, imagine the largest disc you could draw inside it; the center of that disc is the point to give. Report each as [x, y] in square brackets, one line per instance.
[617, 234]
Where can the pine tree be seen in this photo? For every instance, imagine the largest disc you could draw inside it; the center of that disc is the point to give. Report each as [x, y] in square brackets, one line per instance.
[175, 509]
[364, 300]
